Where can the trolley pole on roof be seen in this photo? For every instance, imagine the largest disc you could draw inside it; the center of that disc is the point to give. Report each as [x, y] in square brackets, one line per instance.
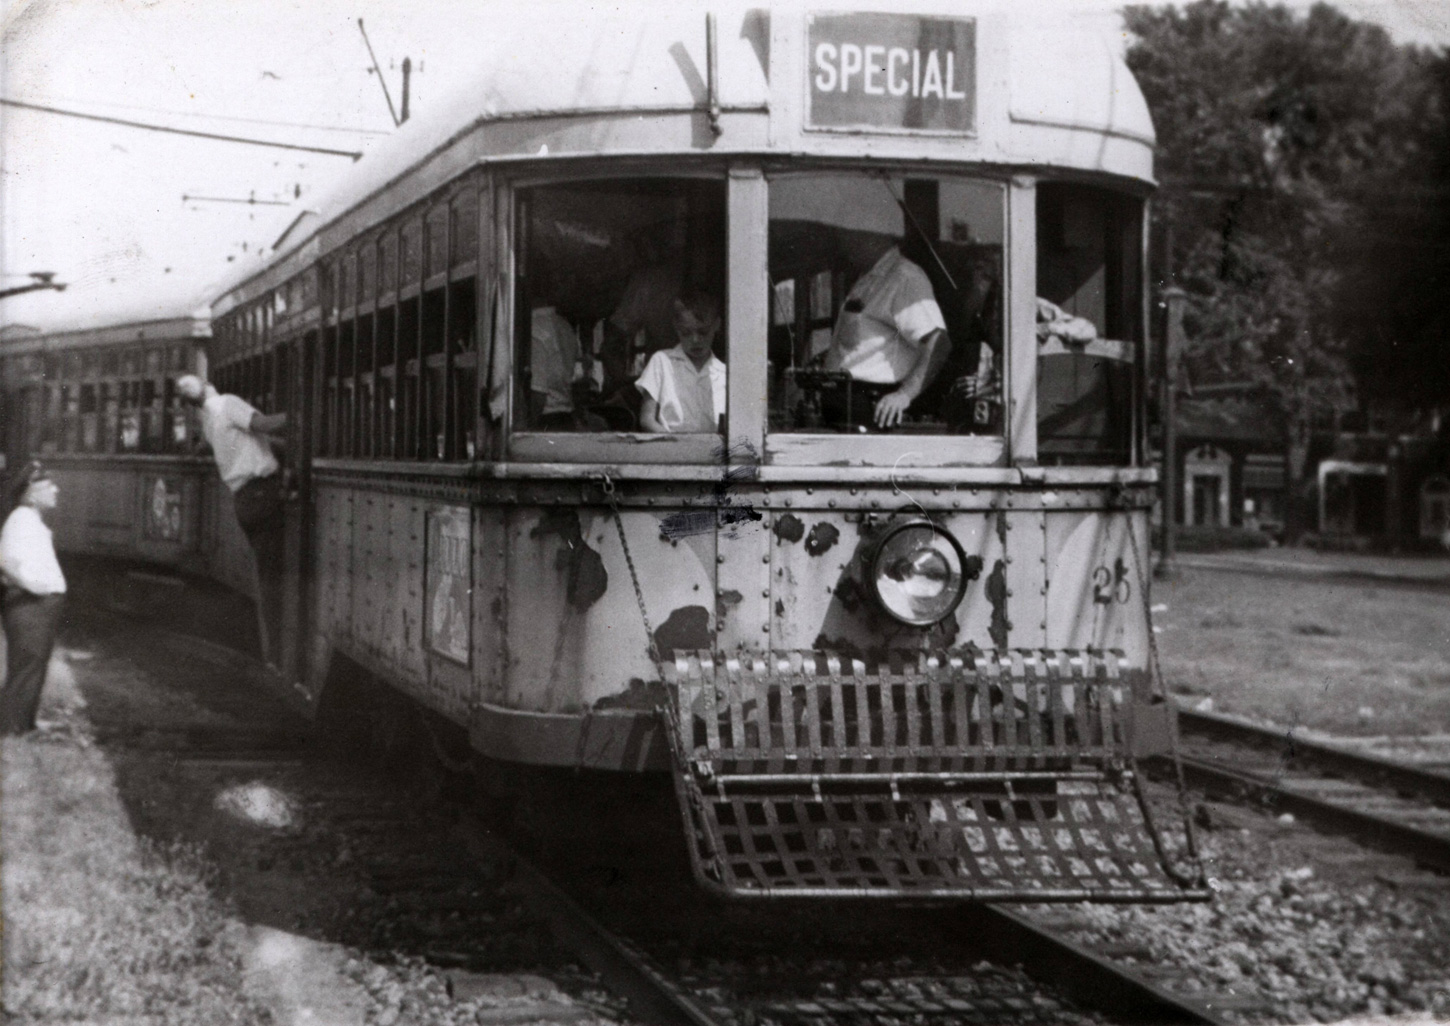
[407, 79]
[384, 82]
[1174, 297]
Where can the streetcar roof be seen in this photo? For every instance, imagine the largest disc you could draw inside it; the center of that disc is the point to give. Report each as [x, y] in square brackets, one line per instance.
[574, 81]
[164, 323]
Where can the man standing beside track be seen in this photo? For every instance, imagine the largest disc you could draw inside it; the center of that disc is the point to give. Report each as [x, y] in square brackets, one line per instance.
[238, 435]
[34, 592]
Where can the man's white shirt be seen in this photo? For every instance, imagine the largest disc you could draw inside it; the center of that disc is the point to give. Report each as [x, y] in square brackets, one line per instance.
[241, 455]
[27, 553]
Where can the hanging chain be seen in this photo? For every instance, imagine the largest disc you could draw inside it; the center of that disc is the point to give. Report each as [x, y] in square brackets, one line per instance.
[1155, 680]
[687, 787]
[612, 497]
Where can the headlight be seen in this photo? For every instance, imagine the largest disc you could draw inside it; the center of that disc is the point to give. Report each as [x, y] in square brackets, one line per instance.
[916, 574]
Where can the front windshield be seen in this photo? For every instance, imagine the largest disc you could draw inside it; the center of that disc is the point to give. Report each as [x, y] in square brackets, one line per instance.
[620, 306]
[886, 311]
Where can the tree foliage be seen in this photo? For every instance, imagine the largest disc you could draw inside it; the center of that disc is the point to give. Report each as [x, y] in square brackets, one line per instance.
[1304, 161]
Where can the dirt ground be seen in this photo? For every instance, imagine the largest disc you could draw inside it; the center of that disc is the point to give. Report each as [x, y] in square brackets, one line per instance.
[1342, 657]
[103, 924]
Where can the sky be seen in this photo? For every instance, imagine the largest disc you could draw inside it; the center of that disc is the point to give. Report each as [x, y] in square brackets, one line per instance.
[114, 211]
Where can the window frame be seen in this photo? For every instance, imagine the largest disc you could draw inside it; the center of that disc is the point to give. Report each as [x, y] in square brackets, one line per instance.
[610, 446]
[805, 449]
[387, 318]
[1129, 202]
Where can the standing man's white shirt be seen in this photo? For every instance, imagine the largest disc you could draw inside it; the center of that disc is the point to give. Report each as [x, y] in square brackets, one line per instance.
[887, 314]
[689, 398]
[27, 553]
[241, 455]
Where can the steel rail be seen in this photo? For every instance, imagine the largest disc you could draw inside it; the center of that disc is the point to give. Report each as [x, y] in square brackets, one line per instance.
[652, 997]
[1432, 850]
[1084, 976]
[1372, 770]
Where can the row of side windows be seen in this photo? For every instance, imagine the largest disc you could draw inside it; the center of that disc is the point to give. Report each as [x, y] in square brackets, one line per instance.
[887, 310]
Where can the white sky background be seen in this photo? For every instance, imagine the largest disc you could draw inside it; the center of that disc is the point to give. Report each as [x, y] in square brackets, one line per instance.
[101, 205]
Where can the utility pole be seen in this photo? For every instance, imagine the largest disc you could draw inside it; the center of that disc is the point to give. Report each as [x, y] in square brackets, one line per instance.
[1175, 298]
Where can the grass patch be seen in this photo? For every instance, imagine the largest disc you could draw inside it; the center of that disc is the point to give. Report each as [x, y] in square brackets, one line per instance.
[1309, 651]
[101, 927]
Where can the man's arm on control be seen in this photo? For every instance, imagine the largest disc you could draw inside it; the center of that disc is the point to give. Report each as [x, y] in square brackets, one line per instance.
[931, 356]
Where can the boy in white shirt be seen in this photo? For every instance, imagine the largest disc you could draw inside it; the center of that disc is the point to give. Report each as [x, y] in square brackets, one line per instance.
[684, 386]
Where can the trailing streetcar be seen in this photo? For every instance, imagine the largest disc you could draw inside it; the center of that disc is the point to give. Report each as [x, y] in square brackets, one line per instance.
[880, 609]
[98, 403]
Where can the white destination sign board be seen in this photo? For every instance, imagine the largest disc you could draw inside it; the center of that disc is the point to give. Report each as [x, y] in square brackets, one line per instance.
[891, 73]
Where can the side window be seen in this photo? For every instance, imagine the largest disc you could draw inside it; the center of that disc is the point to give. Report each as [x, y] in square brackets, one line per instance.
[620, 292]
[886, 311]
[1089, 326]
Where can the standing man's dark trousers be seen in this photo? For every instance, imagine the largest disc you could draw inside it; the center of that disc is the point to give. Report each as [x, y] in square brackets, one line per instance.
[31, 622]
[259, 512]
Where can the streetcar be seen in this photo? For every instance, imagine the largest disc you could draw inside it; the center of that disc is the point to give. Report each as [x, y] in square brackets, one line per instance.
[97, 402]
[881, 656]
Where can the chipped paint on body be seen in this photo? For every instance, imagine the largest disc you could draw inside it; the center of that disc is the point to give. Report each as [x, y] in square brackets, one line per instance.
[557, 628]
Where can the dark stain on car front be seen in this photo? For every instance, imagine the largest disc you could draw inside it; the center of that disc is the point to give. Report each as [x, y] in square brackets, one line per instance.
[687, 628]
[789, 528]
[585, 579]
[822, 537]
[996, 589]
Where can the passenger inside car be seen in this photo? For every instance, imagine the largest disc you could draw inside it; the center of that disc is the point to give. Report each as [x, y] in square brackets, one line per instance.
[603, 264]
[683, 387]
[886, 304]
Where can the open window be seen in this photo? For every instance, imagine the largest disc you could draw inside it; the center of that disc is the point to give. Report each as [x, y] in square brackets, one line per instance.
[601, 266]
[1089, 322]
[885, 286]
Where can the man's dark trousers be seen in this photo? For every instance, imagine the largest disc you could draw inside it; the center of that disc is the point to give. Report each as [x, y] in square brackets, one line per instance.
[259, 512]
[31, 622]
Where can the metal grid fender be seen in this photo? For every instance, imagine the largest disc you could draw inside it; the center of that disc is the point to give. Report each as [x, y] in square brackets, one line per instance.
[973, 776]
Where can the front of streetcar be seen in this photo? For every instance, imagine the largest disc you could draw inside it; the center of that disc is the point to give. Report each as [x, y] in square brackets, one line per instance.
[758, 395]
[909, 652]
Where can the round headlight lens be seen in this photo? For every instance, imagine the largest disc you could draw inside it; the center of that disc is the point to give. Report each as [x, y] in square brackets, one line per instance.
[916, 574]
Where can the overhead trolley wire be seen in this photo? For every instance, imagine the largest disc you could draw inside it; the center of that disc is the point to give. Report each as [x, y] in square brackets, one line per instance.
[273, 122]
[354, 154]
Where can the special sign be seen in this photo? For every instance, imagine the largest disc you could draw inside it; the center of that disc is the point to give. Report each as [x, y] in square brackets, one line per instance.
[450, 582]
[891, 72]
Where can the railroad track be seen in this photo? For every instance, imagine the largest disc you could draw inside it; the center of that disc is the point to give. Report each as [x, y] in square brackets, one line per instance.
[438, 883]
[1390, 805]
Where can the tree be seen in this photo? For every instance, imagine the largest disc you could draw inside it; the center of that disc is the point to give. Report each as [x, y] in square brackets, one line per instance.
[1278, 138]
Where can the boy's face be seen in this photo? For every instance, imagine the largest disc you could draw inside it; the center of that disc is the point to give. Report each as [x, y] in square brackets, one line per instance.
[696, 336]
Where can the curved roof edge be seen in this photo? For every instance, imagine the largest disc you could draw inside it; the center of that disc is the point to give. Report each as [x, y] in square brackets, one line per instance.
[650, 67]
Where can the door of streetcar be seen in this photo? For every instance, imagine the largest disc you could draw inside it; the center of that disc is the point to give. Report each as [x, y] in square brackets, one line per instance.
[294, 369]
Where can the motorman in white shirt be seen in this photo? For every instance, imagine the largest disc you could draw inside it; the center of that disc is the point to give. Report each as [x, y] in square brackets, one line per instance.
[34, 595]
[890, 330]
[239, 437]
